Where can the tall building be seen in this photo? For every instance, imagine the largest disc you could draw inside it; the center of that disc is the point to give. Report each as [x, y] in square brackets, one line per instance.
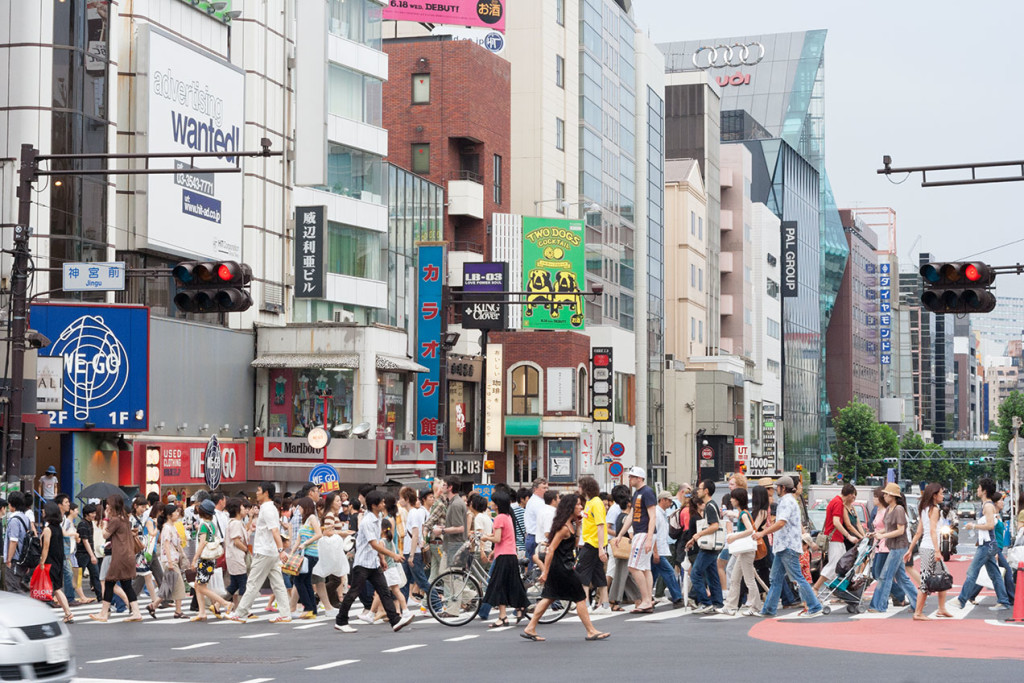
[967, 409]
[854, 332]
[1001, 326]
[779, 83]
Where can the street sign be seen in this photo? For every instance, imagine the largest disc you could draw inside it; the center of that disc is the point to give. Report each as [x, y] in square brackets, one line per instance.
[318, 437]
[615, 469]
[212, 463]
[94, 277]
[485, 490]
[325, 477]
[707, 453]
[617, 449]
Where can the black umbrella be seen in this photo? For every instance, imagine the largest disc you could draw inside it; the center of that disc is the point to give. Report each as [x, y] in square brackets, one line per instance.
[101, 490]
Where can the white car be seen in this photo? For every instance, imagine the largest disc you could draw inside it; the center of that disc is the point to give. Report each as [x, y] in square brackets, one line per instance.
[34, 644]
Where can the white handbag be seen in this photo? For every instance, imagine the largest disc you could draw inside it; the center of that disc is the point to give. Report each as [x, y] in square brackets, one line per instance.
[747, 544]
[712, 542]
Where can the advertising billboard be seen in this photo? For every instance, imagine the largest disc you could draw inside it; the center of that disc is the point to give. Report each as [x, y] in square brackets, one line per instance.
[482, 13]
[106, 364]
[194, 102]
[484, 281]
[553, 273]
[310, 252]
[430, 283]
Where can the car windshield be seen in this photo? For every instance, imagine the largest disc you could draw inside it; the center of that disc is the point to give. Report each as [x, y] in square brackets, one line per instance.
[816, 516]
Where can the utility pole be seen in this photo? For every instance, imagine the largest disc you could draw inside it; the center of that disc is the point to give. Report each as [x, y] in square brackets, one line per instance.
[1015, 471]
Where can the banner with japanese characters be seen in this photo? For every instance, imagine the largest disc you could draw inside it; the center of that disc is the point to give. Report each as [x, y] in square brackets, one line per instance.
[482, 13]
[430, 280]
[310, 253]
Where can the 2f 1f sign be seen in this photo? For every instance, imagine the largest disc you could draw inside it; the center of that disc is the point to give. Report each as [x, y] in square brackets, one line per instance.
[790, 270]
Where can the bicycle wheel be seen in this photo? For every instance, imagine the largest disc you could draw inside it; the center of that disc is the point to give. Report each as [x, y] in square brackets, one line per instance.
[555, 611]
[454, 597]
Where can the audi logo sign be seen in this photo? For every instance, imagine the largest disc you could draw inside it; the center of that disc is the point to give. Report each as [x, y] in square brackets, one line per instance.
[722, 56]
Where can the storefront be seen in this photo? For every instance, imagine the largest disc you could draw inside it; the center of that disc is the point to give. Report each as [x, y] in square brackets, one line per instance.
[178, 466]
[300, 397]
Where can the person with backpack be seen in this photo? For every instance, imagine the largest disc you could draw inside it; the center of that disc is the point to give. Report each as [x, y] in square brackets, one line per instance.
[21, 547]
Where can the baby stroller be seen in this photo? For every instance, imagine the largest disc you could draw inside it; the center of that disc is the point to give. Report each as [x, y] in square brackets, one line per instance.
[853, 576]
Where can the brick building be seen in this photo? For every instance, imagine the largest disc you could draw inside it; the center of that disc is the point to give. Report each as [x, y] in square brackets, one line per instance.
[545, 407]
[447, 109]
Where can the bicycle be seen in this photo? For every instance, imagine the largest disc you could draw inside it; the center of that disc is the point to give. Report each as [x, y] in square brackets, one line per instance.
[454, 597]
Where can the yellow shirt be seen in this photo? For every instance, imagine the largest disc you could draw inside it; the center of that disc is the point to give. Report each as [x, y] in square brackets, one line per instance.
[593, 516]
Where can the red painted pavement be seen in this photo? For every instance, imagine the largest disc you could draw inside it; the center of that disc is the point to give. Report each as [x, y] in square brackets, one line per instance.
[969, 638]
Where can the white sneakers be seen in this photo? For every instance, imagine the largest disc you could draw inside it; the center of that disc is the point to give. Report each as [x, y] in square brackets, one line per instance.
[345, 629]
[603, 609]
[402, 623]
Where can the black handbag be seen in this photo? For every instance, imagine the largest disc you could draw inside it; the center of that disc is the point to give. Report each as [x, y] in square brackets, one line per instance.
[937, 580]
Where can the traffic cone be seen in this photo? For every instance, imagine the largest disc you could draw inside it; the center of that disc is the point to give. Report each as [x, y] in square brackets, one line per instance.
[1018, 596]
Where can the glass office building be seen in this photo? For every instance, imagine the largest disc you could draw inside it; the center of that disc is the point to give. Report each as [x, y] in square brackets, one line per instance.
[778, 81]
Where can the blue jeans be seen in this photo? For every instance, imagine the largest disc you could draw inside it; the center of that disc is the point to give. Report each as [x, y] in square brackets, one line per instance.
[985, 557]
[788, 597]
[304, 585]
[531, 548]
[893, 573]
[69, 581]
[663, 569]
[704, 577]
[787, 562]
[876, 571]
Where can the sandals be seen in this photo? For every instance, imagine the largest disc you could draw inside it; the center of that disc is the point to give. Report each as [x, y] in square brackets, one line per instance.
[598, 636]
[69, 619]
[198, 618]
[151, 610]
[179, 615]
[531, 636]
[500, 623]
[616, 607]
[644, 610]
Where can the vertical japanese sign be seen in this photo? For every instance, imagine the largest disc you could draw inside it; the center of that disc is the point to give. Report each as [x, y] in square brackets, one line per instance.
[553, 275]
[790, 270]
[310, 254]
[492, 399]
[885, 313]
[430, 283]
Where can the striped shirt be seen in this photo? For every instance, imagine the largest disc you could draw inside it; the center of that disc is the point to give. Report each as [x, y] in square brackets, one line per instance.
[520, 526]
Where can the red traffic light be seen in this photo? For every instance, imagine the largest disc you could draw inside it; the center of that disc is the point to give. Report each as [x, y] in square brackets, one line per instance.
[212, 286]
[971, 272]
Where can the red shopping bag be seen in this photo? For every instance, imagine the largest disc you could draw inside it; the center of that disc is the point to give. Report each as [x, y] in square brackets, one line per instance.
[41, 587]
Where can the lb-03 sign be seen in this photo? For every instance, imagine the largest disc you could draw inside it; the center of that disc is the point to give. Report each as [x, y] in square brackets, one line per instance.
[105, 351]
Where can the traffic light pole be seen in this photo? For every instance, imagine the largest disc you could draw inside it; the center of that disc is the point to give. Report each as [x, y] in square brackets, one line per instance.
[1016, 166]
[15, 466]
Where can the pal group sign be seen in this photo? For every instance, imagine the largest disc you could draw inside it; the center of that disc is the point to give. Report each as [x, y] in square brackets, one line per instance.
[482, 13]
[195, 102]
[105, 350]
[553, 273]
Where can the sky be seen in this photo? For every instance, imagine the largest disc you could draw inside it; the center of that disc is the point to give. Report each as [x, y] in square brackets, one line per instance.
[924, 82]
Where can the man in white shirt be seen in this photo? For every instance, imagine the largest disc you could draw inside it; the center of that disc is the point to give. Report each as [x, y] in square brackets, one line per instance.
[267, 556]
[545, 516]
[367, 567]
[414, 521]
[661, 566]
[533, 507]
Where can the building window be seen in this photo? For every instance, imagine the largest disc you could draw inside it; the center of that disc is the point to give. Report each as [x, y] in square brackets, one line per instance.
[355, 173]
[693, 329]
[693, 275]
[497, 179]
[624, 395]
[559, 196]
[700, 228]
[773, 288]
[461, 409]
[355, 252]
[559, 133]
[296, 403]
[390, 405]
[354, 96]
[421, 158]
[525, 390]
[560, 71]
[693, 222]
[421, 88]
[700, 279]
[560, 12]
[774, 329]
[700, 331]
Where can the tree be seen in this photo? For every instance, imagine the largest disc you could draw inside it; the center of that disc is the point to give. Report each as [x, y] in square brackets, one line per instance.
[859, 442]
[1012, 406]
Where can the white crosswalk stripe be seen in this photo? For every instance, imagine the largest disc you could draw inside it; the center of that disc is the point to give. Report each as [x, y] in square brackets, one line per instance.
[887, 614]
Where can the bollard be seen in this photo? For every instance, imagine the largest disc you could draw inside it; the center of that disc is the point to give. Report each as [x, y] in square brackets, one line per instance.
[1018, 597]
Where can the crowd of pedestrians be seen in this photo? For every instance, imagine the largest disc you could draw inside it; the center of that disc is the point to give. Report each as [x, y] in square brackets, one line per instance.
[743, 553]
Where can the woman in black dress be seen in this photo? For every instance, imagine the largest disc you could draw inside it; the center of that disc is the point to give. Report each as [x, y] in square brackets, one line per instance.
[559, 574]
[505, 585]
[53, 555]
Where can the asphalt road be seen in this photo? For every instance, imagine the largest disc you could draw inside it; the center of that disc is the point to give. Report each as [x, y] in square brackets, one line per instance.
[668, 642]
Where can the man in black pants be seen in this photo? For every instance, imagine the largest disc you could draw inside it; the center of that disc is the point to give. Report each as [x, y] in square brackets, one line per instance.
[367, 567]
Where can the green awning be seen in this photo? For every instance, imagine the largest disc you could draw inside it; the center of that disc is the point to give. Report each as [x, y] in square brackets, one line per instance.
[522, 425]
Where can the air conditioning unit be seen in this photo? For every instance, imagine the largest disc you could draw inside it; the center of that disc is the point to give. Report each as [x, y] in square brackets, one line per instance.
[344, 316]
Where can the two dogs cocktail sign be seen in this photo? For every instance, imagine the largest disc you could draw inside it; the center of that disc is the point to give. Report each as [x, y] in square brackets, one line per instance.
[553, 273]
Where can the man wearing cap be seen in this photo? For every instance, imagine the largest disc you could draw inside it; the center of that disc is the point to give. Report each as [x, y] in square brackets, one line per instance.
[895, 536]
[645, 505]
[48, 483]
[661, 565]
[787, 545]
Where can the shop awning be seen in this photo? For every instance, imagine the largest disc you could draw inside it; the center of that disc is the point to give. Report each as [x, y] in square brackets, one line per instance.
[417, 483]
[307, 360]
[522, 425]
[386, 362]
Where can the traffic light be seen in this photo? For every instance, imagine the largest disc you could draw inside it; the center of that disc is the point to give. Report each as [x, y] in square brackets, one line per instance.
[959, 287]
[212, 286]
[601, 387]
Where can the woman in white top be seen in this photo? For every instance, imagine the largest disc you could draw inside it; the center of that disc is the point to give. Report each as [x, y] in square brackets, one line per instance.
[928, 536]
